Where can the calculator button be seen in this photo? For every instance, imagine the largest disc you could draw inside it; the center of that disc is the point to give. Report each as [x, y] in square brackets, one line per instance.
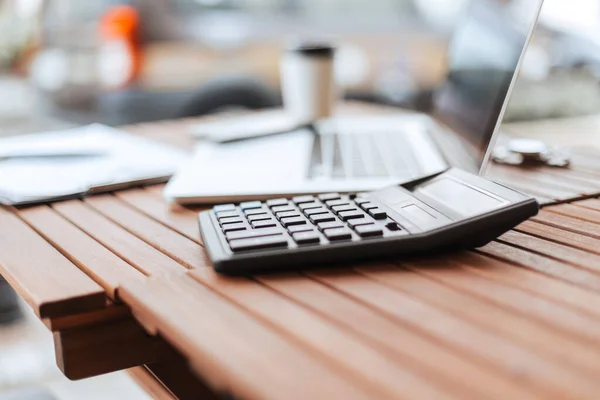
[316, 219]
[253, 233]
[330, 225]
[393, 226]
[293, 221]
[264, 224]
[258, 217]
[277, 202]
[369, 231]
[224, 207]
[329, 196]
[377, 213]
[360, 221]
[300, 228]
[309, 206]
[333, 203]
[234, 228]
[338, 234]
[303, 199]
[287, 214]
[256, 211]
[283, 209]
[367, 206]
[347, 215]
[306, 237]
[227, 214]
[230, 220]
[337, 209]
[258, 243]
[248, 205]
[315, 211]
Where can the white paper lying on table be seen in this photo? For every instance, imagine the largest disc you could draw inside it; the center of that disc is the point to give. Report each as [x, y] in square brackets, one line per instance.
[53, 165]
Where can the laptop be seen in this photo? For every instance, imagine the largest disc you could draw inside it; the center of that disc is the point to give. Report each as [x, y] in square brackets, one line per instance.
[362, 153]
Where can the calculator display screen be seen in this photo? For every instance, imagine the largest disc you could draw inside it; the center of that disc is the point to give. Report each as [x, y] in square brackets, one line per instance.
[459, 197]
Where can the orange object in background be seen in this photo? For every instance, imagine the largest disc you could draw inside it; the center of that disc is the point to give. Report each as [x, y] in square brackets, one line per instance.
[120, 55]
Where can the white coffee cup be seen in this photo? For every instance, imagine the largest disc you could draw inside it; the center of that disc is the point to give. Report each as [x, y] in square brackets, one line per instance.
[308, 82]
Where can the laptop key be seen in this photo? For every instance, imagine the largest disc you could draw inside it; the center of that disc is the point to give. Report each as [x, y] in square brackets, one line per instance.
[259, 217]
[306, 237]
[300, 228]
[329, 196]
[303, 199]
[347, 215]
[277, 202]
[248, 205]
[234, 228]
[361, 200]
[258, 243]
[369, 231]
[293, 221]
[377, 213]
[264, 224]
[360, 221]
[224, 207]
[253, 233]
[230, 220]
[338, 234]
[227, 214]
[318, 218]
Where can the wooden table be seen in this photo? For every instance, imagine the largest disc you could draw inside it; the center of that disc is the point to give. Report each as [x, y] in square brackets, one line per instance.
[123, 282]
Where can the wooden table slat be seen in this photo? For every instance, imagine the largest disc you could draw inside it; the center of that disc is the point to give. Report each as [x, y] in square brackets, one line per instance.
[134, 251]
[514, 326]
[95, 260]
[433, 359]
[370, 367]
[545, 378]
[178, 247]
[236, 354]
[49, 282]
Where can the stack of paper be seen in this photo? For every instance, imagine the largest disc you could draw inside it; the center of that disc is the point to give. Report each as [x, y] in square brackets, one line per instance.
[54, 165]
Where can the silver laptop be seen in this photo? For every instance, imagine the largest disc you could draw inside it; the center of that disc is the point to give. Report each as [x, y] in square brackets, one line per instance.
[361, 153]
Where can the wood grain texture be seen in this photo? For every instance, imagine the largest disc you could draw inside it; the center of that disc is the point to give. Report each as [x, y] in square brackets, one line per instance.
[233, 351]
[511, 361]
[174, 216]
[99, 263]
[431, 358]
[381, 376]
[134, 251]
[48, 282]
[178, 247]
[95, 350]
[110, 313]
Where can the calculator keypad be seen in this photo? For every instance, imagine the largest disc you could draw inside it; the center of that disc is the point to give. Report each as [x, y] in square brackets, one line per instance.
[302, 221]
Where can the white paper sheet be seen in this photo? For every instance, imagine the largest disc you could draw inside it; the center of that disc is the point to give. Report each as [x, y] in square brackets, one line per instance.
[115, 157]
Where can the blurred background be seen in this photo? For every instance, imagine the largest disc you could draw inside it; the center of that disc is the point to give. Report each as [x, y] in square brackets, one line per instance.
[70, 62]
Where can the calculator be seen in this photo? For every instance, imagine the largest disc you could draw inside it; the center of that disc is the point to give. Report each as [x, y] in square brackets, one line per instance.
[449, 211]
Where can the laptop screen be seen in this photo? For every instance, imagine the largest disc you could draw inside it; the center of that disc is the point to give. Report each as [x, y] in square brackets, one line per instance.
[483, 59]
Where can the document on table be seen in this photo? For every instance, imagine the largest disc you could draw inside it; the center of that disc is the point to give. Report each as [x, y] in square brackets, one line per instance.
[55, 165]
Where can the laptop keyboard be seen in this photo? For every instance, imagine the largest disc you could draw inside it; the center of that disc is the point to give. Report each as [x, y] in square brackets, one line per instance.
[377, 155]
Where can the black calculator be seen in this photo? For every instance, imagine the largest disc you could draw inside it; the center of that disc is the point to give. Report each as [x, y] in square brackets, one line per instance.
[452, 210]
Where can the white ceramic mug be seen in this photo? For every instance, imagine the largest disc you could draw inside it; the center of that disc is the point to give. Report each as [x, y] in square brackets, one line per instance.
[308, 82]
